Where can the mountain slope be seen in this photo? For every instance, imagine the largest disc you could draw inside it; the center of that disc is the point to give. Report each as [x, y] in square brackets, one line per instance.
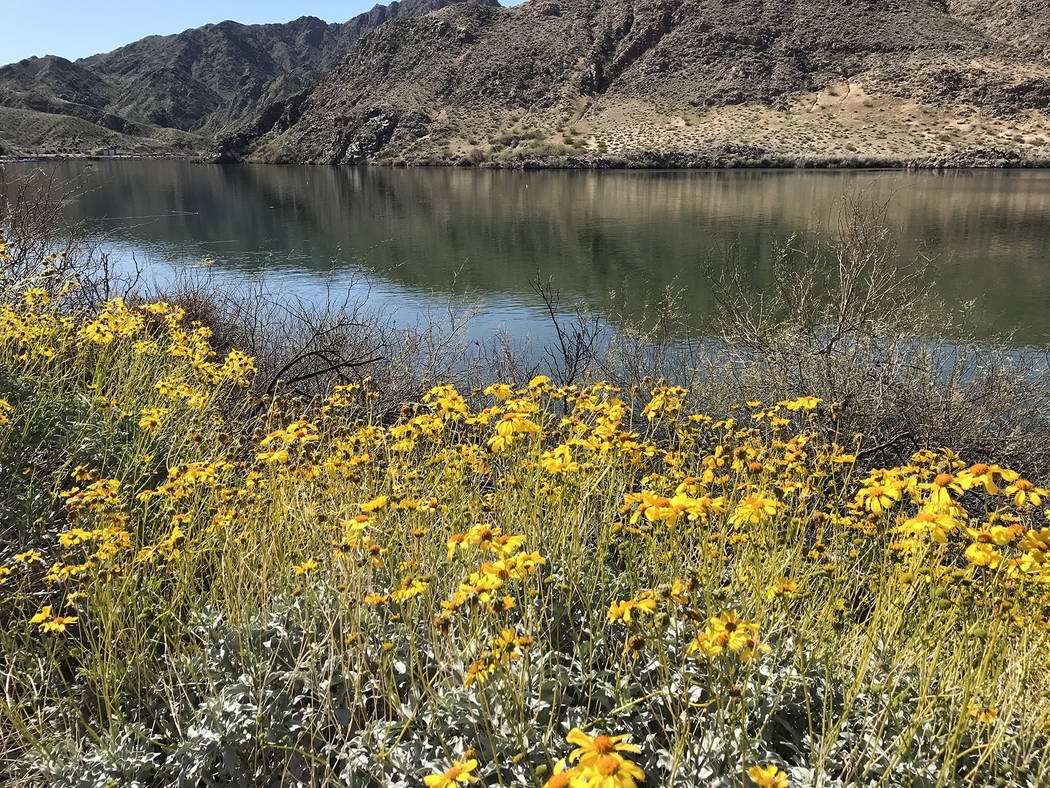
[680, 82]
[26, 131]
[1024, 24]
[204, 81]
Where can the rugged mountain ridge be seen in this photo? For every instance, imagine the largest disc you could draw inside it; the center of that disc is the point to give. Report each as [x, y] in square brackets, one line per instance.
[574, 83]
[682, 82]
[201, 83]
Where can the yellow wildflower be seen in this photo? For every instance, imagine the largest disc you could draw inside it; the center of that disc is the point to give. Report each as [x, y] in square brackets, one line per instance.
[768, 777]
[612, 771]
[985, 715]
[458, 772]
[590, 749]
[754, 509]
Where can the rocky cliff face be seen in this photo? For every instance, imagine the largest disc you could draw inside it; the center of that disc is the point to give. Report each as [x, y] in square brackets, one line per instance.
[645, 77]
[206, 81]
[1023, 24]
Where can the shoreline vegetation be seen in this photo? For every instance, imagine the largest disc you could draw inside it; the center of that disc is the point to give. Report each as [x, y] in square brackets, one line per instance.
[248, 541]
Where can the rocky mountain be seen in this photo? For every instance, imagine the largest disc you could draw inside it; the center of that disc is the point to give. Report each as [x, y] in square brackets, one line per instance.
[185, 89]
[1024, 24]
[685, 82]
[575, 83]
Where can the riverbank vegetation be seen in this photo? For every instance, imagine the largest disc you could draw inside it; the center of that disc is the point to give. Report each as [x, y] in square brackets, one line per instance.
[231, 558]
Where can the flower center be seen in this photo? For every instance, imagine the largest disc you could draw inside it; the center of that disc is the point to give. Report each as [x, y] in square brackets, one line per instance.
[607, 765]
[603, 745]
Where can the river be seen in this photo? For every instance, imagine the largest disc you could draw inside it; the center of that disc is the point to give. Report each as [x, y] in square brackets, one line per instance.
[418, 239]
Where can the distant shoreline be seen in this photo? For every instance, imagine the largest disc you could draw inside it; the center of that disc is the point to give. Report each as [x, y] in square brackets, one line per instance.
[673, 160]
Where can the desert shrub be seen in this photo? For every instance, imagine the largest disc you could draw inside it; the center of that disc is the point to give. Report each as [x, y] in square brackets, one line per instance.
[311, 592]
[57, 433]
[850, 321]
[241, 557]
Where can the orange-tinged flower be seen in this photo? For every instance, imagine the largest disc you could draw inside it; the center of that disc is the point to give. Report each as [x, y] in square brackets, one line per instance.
[58, 624]
[784, 587]
[937, 525]
[458, 772]
[730, 631]
[612, 771]
[50, 623]
[981, 474]
[877, 498]
[375, 503]
[1023, 491]
[565, 778]
[621, 611]
[985, 715]
[940, 490]
[409, 589]
[590, 749]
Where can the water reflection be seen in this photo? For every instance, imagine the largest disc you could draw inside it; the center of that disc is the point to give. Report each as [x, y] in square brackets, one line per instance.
[611, 239]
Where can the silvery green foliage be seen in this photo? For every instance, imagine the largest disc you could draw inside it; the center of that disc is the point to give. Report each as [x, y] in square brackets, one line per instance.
[284, 705]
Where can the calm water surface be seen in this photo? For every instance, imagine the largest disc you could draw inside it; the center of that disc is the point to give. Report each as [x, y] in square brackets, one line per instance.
[411, 239]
